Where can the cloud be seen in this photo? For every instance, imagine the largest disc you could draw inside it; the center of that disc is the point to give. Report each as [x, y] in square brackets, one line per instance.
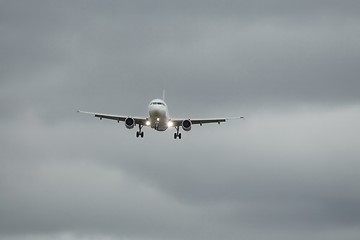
[289, 170]
[304, 181]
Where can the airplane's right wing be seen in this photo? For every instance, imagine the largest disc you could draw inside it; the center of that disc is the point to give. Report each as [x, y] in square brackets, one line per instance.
[118, 118]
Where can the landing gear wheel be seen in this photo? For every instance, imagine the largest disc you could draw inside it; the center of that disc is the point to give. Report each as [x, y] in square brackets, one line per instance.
[177, 134]
[140, 133]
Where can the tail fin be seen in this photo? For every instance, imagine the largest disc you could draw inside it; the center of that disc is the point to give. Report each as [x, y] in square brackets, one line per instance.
[163, 98]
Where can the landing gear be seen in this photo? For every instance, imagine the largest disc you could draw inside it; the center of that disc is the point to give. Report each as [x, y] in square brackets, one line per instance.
[140, 133]
[177, 134]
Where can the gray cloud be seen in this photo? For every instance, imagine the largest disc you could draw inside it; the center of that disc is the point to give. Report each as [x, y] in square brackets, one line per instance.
[289, 170]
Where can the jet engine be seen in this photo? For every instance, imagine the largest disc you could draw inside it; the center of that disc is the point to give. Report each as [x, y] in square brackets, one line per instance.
[129, 123]
[186, 125]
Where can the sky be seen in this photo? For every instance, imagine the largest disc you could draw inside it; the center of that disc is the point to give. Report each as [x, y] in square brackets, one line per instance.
[288, 171]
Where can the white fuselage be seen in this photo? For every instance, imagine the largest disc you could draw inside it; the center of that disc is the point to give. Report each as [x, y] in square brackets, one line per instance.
[158, 115]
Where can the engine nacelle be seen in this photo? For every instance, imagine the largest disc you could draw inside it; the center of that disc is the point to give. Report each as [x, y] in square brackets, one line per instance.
[186, 125]
[130, 123]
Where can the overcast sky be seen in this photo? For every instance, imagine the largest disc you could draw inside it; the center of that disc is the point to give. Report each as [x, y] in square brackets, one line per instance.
[289, 171]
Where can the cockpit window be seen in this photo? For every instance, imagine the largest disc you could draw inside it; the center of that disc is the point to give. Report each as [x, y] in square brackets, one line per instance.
[157, 103]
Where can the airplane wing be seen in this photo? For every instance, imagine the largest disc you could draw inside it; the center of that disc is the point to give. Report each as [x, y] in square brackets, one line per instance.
[178, 122]
[118, 118]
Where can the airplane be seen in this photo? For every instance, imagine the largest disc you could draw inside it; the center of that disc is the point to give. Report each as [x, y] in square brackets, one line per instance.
[158, 119]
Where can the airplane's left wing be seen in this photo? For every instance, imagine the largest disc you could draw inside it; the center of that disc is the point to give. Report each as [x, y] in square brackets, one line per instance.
[118, 118]
[178, 122]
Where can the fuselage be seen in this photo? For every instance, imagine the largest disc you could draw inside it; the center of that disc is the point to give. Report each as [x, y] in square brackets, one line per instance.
[158, 115]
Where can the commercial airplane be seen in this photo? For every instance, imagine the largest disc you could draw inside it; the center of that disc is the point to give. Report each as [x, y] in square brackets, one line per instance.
[158, 119]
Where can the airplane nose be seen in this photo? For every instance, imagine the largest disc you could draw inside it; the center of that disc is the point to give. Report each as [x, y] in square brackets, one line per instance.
[156, 112]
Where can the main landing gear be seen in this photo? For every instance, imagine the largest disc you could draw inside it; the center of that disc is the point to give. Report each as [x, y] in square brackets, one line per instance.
[140, 133]
[177, 134]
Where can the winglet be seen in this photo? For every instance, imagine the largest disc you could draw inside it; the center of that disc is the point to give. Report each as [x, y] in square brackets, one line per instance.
[234, 118]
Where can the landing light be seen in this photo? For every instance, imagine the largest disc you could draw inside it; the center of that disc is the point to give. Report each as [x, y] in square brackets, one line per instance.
[170, 124]
[147, 123]
[158, 119]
